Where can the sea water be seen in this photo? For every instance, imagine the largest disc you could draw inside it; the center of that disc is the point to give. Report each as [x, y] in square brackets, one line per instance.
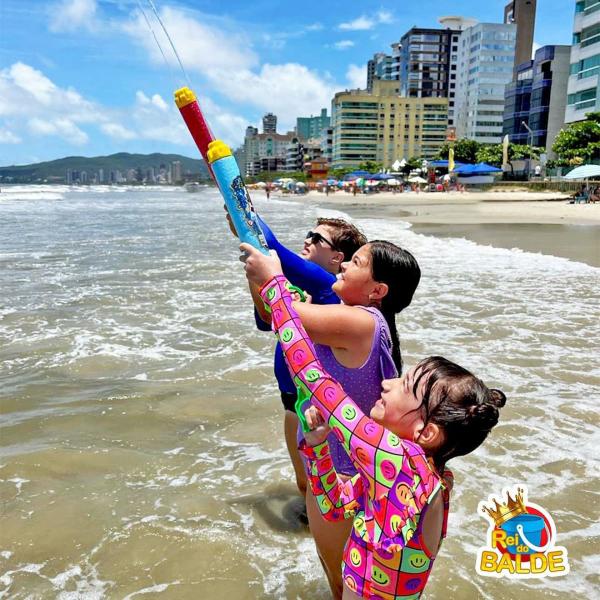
[141, 430]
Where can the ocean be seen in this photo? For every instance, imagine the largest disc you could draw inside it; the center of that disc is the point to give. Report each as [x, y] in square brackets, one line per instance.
[142, 452]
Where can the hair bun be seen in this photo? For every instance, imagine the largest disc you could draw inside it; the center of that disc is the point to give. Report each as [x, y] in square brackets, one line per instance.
[497, 398]
[486, 415]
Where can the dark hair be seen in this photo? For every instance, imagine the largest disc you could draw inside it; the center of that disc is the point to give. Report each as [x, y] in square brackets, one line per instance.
[345, 237]
[399, 269]
[460, 403]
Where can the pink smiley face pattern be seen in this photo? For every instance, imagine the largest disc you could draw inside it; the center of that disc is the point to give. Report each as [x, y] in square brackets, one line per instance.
[384, 556]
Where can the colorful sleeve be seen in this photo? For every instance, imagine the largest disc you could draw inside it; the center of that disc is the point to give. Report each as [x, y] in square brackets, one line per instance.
[307, 275]
[337, 499]
[380, 455]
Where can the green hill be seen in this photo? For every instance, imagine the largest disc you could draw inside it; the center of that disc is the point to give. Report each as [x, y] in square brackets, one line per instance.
[55, 171]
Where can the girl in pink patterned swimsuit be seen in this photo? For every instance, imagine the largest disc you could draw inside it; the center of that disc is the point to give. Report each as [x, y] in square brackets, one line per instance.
[399, 498]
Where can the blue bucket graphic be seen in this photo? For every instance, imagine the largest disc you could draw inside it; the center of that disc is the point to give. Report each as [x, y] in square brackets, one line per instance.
[529, 529]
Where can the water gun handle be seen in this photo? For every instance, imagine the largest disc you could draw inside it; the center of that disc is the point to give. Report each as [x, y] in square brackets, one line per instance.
[237, 200]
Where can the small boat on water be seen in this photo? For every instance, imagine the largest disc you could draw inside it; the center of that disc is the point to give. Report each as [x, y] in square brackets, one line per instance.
[192, 187]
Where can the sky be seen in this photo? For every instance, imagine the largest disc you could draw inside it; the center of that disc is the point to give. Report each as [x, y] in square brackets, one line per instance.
[87, 77]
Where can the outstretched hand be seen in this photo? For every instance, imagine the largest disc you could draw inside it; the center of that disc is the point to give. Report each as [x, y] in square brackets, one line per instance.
[259, 267]
[319, 429]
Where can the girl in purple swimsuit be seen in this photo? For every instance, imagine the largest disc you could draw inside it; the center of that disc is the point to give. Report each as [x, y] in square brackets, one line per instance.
[358, 343]
[399, 499]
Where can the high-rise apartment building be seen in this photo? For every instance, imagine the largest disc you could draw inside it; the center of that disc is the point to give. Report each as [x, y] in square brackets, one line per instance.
[537, 98]
[422, 62]
[269, 123]
[522, 14]
[265, 151]
[380, 67]
[312, 127]
[382, 126]
[176, 172]
[583, 95]
[484, 67]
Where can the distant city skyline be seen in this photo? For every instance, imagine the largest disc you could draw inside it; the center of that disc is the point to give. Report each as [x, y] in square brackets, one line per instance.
[85, 77]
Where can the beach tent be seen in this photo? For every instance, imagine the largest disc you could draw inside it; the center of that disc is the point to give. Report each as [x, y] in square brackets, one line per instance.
[381, 177]
[478, 169]
[584, 172]
[393, 181]
[443, 164]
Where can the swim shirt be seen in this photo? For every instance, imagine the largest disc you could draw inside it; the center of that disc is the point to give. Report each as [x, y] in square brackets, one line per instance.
[385, 556]
[362, 383]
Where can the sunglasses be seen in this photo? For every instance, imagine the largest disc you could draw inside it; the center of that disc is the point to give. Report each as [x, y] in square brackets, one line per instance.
[315, 237]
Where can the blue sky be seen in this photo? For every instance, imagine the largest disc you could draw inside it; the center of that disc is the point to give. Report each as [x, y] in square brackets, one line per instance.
[85, 77]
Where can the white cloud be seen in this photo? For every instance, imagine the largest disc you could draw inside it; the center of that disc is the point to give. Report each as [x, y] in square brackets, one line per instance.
[71, 15]
[315, 27]
[343, 44]
[534, 48]
[8, 137]
[117, 131]
[289, 90]
[359, 24]
[357, 76]
[385, 17]
[61, 127]
[59, 112]
[364, 23]
[22, 85]
[227, 60]
[202, 48]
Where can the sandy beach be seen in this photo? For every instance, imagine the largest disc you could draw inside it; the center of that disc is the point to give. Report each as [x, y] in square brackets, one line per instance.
[533, 221]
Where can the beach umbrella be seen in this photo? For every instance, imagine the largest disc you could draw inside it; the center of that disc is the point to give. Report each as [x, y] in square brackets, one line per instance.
[332, 182]
[300, 184]
[584, 172]
[393, 181]
[381, 177]
[360, 173]
[360, 181]
[417, 179]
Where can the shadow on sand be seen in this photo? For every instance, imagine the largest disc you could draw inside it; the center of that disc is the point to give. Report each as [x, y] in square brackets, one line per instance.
[279, 506]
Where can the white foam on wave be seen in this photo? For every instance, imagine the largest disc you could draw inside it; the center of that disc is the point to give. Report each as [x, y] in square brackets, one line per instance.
[12, 196]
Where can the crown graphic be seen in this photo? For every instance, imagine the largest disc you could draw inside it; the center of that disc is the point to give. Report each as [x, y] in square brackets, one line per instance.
[505, 512]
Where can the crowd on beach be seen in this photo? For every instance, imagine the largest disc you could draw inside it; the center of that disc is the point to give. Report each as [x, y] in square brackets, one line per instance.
[368, 439]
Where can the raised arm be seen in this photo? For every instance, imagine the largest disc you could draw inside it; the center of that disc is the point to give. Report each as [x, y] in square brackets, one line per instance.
[307, 275]
[377, 453]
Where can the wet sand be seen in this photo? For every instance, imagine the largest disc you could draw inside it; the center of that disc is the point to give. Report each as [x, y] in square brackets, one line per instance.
[534, 222]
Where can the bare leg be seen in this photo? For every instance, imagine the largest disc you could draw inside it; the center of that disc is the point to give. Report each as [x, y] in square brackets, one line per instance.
[330, 538]
[290, 425]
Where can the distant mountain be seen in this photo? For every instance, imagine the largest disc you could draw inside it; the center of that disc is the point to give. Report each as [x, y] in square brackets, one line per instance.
[55, 171]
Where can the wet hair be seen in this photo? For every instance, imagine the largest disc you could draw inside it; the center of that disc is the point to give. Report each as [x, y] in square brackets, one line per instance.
[461, 404]
[399, 269]
[345, 237]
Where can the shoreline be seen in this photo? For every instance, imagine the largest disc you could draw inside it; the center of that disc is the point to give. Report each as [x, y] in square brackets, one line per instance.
[534, 222]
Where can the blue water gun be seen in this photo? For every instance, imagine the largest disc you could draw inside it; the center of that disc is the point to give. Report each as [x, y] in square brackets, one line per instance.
[224, 169]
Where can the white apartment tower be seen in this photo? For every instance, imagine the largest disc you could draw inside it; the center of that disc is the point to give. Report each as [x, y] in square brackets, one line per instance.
[486, 55]
[583, 94]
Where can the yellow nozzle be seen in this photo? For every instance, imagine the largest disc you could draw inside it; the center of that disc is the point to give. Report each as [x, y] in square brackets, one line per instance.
[216, 150]
[184, 96]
